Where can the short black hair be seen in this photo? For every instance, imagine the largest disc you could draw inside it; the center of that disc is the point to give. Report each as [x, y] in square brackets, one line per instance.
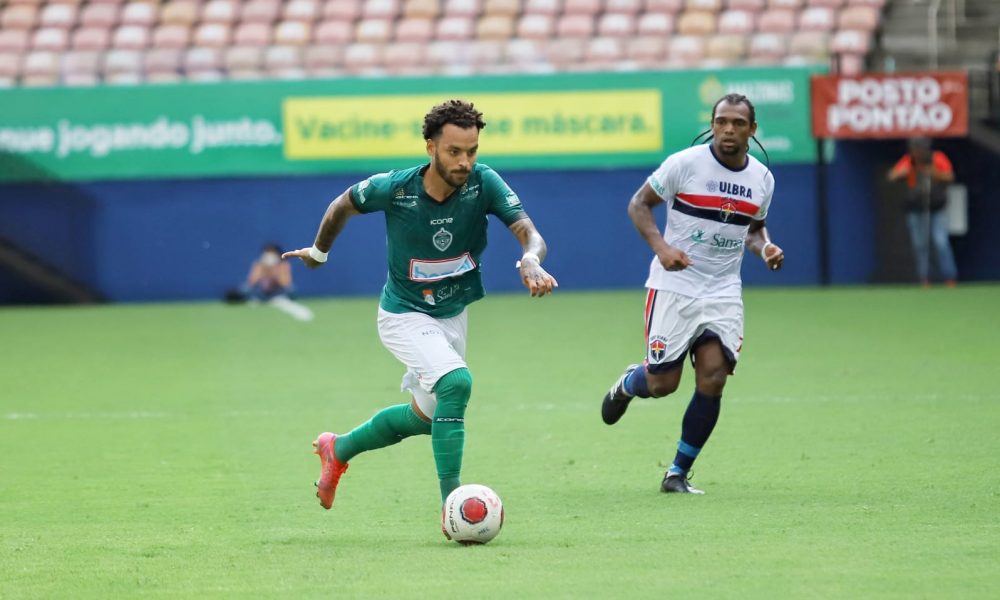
[736, 99]
[456, 112]
[271, 246]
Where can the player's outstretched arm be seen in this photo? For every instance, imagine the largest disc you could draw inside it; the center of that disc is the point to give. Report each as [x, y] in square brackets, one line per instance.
[640, 210]
[336, 216]
[759, 242]
[533, 276]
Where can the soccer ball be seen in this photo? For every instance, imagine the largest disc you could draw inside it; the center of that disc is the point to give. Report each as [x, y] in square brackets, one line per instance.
[472, 514]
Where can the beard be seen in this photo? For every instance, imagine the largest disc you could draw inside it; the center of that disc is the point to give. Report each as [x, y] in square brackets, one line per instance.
[453, 178]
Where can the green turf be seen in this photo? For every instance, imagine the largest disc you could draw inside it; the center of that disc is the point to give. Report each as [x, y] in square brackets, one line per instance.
[164, 450]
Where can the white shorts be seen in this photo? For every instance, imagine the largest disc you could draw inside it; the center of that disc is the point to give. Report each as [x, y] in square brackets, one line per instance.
[430, 348]
[676, 324]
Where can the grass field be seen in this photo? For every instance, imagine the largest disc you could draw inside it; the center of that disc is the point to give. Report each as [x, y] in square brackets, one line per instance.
[164, 450]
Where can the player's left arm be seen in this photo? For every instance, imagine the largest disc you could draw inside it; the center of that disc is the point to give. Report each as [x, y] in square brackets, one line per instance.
[759, 242]
[533, 276]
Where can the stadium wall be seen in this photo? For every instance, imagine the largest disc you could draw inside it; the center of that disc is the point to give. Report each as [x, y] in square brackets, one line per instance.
[191, 239]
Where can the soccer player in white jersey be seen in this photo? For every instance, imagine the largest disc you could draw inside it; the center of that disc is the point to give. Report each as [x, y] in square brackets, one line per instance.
[436, 215]
[717, 197]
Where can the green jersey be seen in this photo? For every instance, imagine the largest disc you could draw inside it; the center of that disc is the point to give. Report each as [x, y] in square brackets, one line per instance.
[434, 247]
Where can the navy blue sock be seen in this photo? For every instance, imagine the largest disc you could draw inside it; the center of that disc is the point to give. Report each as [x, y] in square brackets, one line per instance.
[635, 383]
[699, 420]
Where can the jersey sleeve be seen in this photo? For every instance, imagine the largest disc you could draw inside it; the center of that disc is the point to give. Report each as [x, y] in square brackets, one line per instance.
[667, 178]
[765, 204]
[372, 194]
[502, 201]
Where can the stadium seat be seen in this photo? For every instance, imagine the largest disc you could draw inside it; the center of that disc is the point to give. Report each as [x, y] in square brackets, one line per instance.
[862, 18]
[696, 23]
[142, 14]
[202, 64]
[53, 39]
[428, 9]
[495, 27]
[785, 4]
[510, 8]
[171, 36]
[816, 18]
[453, 28]
[521, 51]
[536, 27]
[14, 40]
[541, 7]
[712, 6]
[835, 4]
[362, 58]
[284, 62]
[736, 22]
[776, 21]
[581, 7]
[404, 57]
[727, 47]
[810, 44]
[379, 9]
[243, 59]
[40, 68]
[322, 60]
[577, 26]
[19, 17]
[603, 51]
[414, 29]
[334, 32]
[652, 24]
[850, 42]
[373, 31]
[81, 68]
[293, 33]
[850, 64]
[462, 8]
[252, 34]
[753, 6]
[623, 7]
[561, 53]
[260, 11]
[180, 12]
[160, 62]
[91, 38]
[58, 15]
[342, 10]
[220, 11]
[212, 35]
[767, 48]
[99, 15]
[130, 37]
[646, 50]
[664, 6]
[301, 10]
[879, 4]
[121, 62]
[10, 66]
[616, 25]
[685, 49]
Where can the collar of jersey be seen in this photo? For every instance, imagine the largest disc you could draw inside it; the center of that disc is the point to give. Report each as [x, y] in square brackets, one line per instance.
[423, 193]
[711, 148]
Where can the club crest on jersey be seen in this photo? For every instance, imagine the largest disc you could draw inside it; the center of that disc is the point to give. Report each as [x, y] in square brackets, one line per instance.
[657, 348]
[711, 186]
[726, 210]
[442, 239]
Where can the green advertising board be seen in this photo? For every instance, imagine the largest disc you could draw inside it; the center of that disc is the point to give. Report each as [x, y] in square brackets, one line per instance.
[362, 125]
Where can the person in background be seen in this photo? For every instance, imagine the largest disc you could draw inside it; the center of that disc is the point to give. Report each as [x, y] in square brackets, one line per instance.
[270, 281]
[927, 174]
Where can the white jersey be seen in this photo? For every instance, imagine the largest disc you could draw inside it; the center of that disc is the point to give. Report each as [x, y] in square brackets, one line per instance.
[709, 209]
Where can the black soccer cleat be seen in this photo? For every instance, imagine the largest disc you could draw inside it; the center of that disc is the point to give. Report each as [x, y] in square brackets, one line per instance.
[676, 483]
[616, 400]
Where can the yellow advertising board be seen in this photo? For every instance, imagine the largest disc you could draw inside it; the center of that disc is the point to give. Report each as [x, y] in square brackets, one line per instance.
[517, 124]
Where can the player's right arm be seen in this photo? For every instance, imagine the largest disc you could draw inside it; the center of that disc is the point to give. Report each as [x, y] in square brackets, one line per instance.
[334, 219]
[640, 210]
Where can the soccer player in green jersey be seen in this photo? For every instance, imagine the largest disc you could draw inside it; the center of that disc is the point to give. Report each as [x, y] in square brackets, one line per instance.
[435, 218]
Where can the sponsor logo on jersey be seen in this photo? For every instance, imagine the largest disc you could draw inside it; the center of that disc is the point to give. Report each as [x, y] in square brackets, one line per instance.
[404, 203]
[429, 299]
[712, 186]
[725, 243]
[443, 221]
[698, 236]
[512, 200]
[726, 210]
[361, 190]
[732, 189]
[657, 348]
[436, 270]
[442, 239]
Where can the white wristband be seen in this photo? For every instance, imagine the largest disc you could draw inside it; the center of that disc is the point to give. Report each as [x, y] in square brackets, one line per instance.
[517, 265]
[318, 255]
[763, 250]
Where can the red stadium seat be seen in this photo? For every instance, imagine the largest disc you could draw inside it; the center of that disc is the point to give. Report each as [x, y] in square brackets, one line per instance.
[323, 61]
[575, 26]
[301, 10]
[334, 32]
[536, 27]
[851, 42]
[130, 37]
[81, 68]
[252, 34]
[736, 22]
[99, 15]
[91, 38]
[776, 21]
[171, 36]
[58, 15]
[54, 39]
[462, 8]
[816, 18]
[616, 25]
[653, 24]
[767, 48]
[212, 35]
[292, 33]
[664, 6]
[785, 4]
[752, 6]
[14, 40]
[220, 11]
[581, 7]
[455, 28]
[862, 18]
[810, 44]
[19, 17]
[380, 9]
[142, 14]
[623, 7]
[542, 7]
[373, 31]
[260, 11]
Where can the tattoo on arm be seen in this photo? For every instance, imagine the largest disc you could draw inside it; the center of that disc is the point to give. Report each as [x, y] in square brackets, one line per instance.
[529, 238]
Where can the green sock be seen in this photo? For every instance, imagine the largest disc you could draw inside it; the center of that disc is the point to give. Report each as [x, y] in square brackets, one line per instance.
[448, 431]
[389, 426]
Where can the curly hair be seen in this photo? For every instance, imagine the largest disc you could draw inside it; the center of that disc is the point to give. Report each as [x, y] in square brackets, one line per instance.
[736, 99]
[456, 112]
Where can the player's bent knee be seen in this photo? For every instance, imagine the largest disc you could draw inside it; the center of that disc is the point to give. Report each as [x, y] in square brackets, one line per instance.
[454, 388]
[713, 382]
[660, 387]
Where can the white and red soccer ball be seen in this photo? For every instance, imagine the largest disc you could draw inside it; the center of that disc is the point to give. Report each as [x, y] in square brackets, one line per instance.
[472, 514]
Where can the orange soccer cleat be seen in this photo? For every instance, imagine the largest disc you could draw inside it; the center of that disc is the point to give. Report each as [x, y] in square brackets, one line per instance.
[331, 469]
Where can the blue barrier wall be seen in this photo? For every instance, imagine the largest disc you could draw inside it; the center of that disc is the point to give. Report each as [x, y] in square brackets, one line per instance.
[192, 239]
